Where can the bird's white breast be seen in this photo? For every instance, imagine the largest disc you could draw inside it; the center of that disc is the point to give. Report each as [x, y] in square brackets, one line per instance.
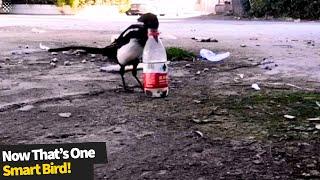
[129, 52]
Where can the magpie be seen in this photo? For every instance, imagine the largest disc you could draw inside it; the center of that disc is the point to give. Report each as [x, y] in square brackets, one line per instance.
[127, 48]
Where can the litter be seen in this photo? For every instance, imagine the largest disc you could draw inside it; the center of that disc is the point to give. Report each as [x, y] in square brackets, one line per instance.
[256, 87]
[314, 119]
[317, 126]
[26, 108]
[116, 68]
[43, 47]
[204, 39]
[241, 76]
[199, 133]
[213, 57]
[289, 117]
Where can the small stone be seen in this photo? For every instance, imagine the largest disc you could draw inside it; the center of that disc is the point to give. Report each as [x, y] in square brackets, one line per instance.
[27, 47]
[7, 59]
[243, 45]
[257, 161]
[92, 55]
[26, 108]
[84, 61]
[92, 60]
[54, 60]
[315, 173]
[197, 101]
[188, 65]
[65, 115]
[198, 72]
[54, 53]
[162, 172]
[317, 126]
[76, 125]
[205, 69]
[67, 63]
[117, 131]
[52, 64]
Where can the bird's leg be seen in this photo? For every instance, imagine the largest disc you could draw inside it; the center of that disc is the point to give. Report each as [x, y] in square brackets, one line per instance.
[134, 73]
[122, 71]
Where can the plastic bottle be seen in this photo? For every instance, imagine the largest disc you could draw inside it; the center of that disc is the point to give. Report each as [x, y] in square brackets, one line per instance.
[155, 66]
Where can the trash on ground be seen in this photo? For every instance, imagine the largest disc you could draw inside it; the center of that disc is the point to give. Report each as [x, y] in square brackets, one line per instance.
[289, 117]
[256, 87]
[213, 57]
[116, 68]
[314, 119]
[65, 115]
[198, 39]
[241, 76]
[26, 108]
[318, 103]
[317, 126]
[43, 47]
[197, 101]
[199, 133]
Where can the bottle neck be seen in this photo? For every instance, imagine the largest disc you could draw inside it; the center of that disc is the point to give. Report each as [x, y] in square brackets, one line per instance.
[153, 33]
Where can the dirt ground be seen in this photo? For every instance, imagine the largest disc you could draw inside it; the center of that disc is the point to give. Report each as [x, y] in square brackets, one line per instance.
[212, 125]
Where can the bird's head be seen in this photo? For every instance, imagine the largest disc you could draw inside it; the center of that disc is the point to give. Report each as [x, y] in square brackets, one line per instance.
[151, 22]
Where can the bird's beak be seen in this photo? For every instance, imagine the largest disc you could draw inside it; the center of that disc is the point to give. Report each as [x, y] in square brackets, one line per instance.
[156, 37]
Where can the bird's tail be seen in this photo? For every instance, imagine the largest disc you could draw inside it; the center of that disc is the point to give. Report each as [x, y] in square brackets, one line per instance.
[92, 50]
[109, 51]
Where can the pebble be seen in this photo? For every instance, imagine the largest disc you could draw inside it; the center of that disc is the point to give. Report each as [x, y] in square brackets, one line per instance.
[65, 115]
[198, 72]
[54, 60]
[243, 45]
[54, 53]
[257, 162]
[26, 108]
[205, 69]
[67, 63]
[84, 61]
[318, 126]
[52, 64]
[188, 65]
[197, 101]
[315, 173]
[92, 55]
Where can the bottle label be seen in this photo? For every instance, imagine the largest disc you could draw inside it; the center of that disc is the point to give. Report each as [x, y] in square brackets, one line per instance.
[155, 75]
[155, 80]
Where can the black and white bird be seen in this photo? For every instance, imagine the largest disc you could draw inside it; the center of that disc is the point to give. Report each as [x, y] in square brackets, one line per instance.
[127, 48]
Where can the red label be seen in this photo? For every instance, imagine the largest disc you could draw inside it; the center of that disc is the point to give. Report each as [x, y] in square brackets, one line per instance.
[155, 80]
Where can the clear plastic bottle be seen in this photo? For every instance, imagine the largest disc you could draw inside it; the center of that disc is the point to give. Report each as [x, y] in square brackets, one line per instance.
[155, 66]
